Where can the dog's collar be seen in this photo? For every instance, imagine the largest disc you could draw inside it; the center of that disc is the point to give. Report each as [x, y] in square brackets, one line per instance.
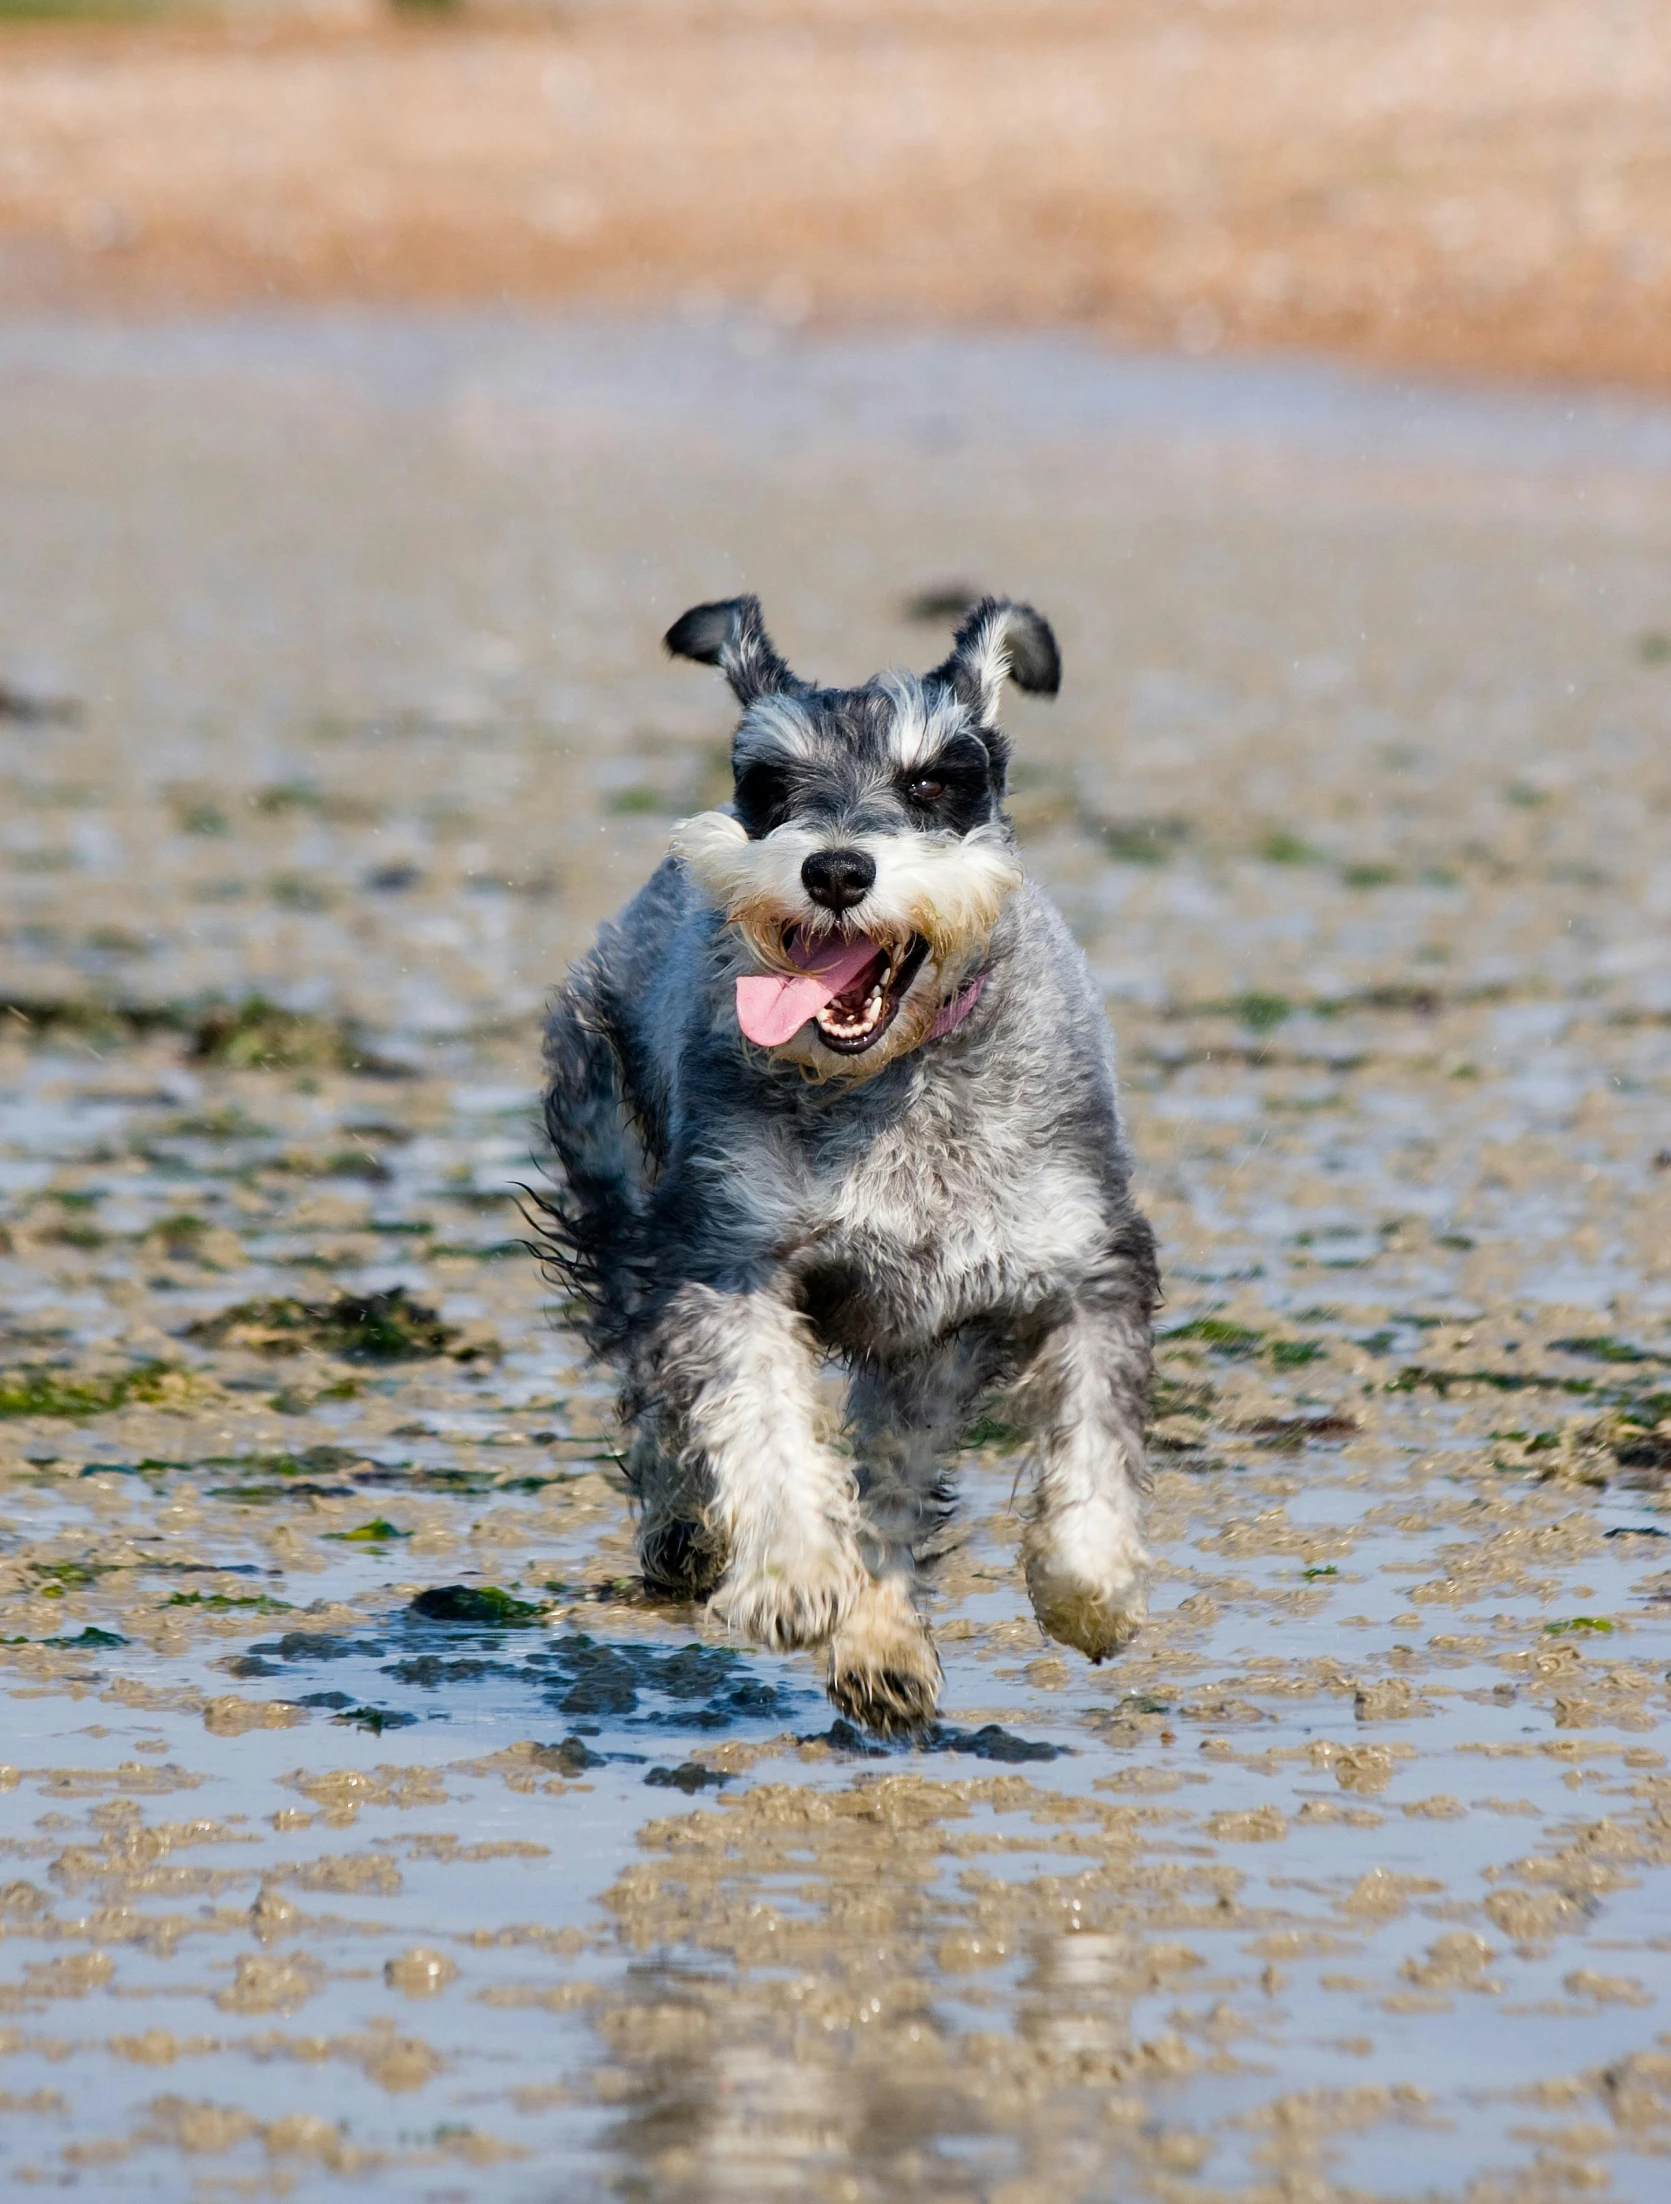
[952, 1014]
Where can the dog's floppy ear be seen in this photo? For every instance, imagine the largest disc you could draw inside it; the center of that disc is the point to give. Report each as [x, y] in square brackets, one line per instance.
[1001, 641]
[732, 636]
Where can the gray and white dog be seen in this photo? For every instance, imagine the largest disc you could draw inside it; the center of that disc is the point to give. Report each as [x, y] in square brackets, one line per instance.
[836, 1089]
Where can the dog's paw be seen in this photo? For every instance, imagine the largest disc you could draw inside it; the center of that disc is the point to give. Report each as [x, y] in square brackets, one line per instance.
[680, 1559]
[884, 1671]
[1087, 1592]
[783, 1604]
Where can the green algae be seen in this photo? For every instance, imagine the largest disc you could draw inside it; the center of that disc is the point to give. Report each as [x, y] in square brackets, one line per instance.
[374, 1719]
[1604, 1348]
[1284, 848]
[1295, 1354]
[994, 1432]
[226, 1603]
[44, 1391]
[1234, 1341]
[1142, 841]
[482, 1604]
[256, 1034]
[1364, 877]
[253, 1033]
[375, 1327]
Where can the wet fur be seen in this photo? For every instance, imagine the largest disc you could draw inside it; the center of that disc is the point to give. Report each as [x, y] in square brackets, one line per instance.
[951, 1224]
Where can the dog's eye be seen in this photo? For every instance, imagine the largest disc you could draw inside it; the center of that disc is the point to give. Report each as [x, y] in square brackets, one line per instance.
[762, 797]
[925, 789]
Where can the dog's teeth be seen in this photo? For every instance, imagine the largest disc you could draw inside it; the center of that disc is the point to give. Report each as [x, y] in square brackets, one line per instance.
[869, 1017]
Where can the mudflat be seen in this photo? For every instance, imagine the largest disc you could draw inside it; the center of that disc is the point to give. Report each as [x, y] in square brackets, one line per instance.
[364, 1829]
[1484, 184]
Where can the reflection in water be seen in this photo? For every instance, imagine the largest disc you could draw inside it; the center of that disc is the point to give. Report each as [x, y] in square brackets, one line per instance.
[899, 2012]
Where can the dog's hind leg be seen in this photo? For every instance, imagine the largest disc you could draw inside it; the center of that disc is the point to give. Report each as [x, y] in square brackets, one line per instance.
[1085, 1394]
[724, 1392]
[681, 1547]
[590, 1225]
[593, 1214]
[907, 1419]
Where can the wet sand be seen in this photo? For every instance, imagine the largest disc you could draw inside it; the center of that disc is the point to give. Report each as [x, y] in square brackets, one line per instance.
[364, 1828]
[1483, 184]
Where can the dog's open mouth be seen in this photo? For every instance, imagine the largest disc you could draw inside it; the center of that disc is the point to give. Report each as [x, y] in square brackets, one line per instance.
[851, 988]
[859, 1016]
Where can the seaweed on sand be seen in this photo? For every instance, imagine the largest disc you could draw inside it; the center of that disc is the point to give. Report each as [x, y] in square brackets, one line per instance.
[370, 1327]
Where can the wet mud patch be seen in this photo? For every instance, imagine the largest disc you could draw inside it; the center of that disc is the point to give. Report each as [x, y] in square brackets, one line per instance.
[707, 1687]
[488, 1638]
[990, 1742]
[689, 1776]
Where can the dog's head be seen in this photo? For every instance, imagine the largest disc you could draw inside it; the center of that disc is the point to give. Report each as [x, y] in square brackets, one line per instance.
[865, 858]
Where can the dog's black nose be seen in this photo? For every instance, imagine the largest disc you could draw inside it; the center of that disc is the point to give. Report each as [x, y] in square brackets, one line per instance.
[838, 878]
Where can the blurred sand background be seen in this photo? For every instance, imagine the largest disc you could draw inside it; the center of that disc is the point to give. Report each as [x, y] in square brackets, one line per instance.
[1481, 185]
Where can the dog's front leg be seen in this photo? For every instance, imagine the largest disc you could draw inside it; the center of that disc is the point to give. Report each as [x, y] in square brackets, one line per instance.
[1086, 1394]
[725, 1389]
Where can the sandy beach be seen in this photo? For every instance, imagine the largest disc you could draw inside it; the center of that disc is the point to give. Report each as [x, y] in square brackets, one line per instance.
[1483, 186]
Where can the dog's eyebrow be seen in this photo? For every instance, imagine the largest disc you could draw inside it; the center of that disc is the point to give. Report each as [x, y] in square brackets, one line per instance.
[774, 730]
[964, 753]
[922, 726]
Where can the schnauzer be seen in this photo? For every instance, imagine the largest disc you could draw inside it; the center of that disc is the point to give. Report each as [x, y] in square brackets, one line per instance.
[836, 1088]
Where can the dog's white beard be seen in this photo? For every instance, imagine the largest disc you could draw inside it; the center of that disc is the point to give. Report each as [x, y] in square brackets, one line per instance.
[948, 889]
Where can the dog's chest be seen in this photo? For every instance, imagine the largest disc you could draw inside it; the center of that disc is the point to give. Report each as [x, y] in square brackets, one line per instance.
[934, 1220]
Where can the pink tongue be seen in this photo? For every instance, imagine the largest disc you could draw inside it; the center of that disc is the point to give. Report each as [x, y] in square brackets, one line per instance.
[771, 1007]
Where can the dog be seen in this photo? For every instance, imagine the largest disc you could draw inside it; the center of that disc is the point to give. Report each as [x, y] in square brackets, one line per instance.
[836, 1091]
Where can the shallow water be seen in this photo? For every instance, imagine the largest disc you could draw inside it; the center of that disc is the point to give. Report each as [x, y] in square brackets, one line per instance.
[331, 654]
